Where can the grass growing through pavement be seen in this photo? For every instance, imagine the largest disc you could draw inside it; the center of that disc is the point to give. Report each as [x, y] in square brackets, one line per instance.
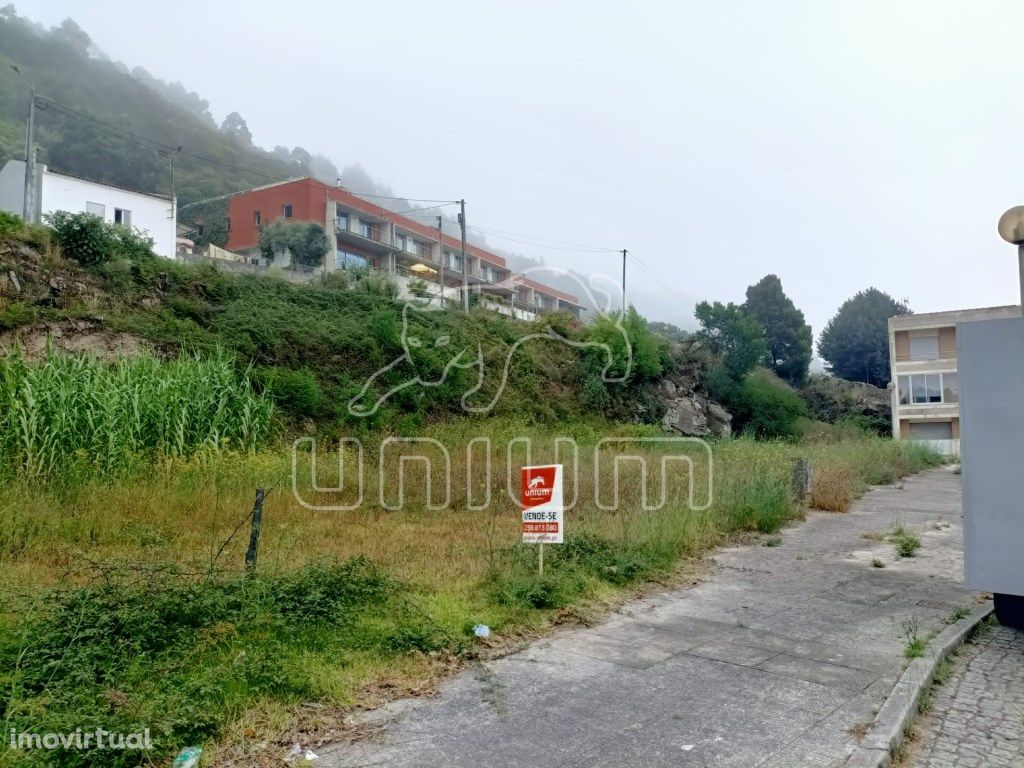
[906, 543]
[122, 604]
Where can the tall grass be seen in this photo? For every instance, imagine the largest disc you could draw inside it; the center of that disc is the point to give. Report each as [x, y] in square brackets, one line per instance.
[242, 660]
[71, 413]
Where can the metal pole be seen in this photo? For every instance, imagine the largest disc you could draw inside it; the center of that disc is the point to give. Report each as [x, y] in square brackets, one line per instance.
[440, 253]
[1020, 268]
[624, 252]
[540, 560]
[28, 209]
[465, 274]
[174, 206]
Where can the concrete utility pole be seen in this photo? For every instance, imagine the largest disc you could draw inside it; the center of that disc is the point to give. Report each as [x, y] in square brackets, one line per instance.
[440, 243]
[28, 207]
[465, 266]
[624, 252]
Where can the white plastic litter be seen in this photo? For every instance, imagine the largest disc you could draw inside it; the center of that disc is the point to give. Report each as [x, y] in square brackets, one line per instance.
[482, 630]
[687, 747]
[297, 752]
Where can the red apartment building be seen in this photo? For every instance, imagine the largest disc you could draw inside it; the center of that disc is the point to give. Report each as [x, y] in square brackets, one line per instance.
[364, 233]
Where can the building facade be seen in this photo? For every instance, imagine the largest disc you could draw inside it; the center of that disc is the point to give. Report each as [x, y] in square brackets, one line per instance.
[423, 262]
[925, 386]
[150, 213]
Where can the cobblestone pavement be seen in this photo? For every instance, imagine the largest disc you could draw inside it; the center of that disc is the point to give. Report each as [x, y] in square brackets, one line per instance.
[977, 716]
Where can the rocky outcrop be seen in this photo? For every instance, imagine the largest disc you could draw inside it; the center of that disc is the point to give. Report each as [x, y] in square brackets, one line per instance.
[687, 411]
[831, 399]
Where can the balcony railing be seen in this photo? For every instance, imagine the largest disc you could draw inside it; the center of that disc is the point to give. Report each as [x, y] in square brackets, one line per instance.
[374, 233]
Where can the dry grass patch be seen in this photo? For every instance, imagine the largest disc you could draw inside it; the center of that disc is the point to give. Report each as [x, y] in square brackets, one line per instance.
[833, 488]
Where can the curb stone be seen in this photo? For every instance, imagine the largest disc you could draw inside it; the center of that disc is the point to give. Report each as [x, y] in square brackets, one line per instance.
[900, 709]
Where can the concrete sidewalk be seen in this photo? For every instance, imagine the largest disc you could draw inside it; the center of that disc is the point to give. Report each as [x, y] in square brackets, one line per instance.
[778, 660]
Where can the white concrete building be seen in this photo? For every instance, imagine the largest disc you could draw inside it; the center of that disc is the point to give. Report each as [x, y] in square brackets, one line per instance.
[925, 387]
[153, 214]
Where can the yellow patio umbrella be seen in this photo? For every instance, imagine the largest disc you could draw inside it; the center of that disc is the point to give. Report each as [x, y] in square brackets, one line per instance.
[422, 269]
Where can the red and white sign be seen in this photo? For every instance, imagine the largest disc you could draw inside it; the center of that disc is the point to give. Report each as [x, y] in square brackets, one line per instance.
[541, 496]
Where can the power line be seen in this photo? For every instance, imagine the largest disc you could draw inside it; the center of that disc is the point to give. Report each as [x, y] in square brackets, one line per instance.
[149, 143]
[539, 241]
[662, 282]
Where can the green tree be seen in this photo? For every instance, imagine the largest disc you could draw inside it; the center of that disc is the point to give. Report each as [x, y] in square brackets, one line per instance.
[855, 343]
[787, 335]
[307, 241]
[731, 334]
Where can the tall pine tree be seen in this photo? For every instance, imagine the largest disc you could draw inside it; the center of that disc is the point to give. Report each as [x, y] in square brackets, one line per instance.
[787, 335]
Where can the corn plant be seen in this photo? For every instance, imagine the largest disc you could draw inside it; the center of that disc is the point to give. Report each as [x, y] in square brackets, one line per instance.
[77, 411]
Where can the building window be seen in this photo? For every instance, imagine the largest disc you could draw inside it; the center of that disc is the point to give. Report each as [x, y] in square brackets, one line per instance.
[400, 241]
[366, 229]
[286, 211]
[96, 209]
[123, 217]
[924, 346]
[256, 218]
[341, 221]
[924, 388]
[346, 259]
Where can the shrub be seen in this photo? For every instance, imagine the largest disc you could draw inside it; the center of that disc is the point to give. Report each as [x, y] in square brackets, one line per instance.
[766, 408]
[305, 240]
[82, 236]
[832, 488]
[91, 241]
[296, 391]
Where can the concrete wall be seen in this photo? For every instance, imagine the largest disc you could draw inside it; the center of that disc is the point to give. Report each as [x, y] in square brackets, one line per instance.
[12, 187]
[991, 368]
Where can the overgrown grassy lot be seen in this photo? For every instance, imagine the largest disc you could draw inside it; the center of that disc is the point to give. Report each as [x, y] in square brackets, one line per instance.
[126, 488]
[125, 602]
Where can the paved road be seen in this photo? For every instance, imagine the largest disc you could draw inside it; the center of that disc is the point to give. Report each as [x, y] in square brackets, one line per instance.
[977, 715]
[772, 662]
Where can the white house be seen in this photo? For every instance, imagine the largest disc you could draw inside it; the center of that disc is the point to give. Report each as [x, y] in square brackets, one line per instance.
[153, 214]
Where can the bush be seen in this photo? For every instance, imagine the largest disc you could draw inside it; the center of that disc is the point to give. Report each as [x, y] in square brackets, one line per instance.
[766, 408]
[90, 240]
[832, 488]
[305, 240]
[296, 391]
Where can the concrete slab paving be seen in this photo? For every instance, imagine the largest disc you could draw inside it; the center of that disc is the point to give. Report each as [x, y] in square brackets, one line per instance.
[778, 659]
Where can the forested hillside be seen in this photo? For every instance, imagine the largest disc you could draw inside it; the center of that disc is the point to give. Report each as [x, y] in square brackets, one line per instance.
[113, 102]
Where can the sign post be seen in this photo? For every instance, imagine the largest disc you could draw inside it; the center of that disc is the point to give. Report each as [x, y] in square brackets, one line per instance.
[542, 500]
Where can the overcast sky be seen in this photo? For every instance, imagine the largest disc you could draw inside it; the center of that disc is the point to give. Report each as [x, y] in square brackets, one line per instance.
[837, 144]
